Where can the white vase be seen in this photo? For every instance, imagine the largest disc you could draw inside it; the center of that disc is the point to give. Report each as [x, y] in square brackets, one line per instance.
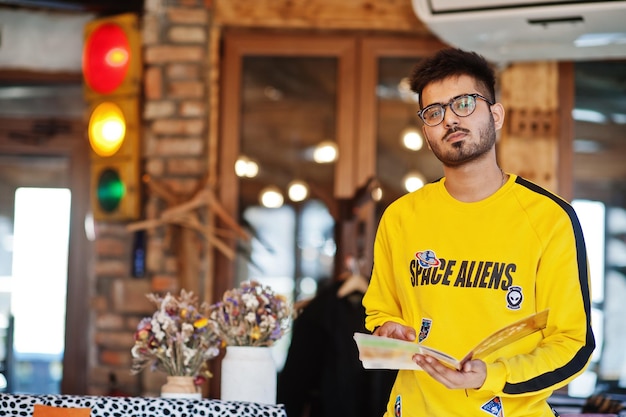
[180, 387]
[248, 374]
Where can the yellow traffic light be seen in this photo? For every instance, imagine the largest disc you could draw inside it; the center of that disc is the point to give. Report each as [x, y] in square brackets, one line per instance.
[107, 128]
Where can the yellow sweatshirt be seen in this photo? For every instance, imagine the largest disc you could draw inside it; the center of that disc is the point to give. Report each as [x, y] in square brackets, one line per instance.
[457, 272]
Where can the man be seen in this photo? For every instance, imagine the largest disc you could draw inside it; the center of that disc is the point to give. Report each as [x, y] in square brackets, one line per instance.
[471, 253]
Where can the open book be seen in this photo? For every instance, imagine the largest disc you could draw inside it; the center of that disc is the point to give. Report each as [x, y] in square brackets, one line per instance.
[378, 352]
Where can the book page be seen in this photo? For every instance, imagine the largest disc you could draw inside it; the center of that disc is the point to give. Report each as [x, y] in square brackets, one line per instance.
[376, 352]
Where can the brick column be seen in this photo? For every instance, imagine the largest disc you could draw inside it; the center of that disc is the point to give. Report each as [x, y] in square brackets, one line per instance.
[174, 151]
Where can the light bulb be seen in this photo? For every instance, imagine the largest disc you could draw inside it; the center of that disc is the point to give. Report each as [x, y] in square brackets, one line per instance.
[412, 138]
[271, 197]
[246, 167]
[325, 152]
[413, 181]
[297, 190]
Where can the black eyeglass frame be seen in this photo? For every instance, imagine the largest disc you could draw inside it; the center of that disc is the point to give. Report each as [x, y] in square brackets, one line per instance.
[449, 104]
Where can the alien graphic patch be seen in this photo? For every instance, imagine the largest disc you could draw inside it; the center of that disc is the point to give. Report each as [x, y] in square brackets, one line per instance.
[514, 297]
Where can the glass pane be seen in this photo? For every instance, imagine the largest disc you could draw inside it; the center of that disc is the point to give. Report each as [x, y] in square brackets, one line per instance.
[40, 251]
[397, 107]
[600, 177]
[288, 110]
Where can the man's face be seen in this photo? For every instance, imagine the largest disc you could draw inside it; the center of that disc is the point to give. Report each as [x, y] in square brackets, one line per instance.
[458, 140]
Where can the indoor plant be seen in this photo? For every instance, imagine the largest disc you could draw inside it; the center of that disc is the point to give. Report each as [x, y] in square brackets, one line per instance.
[178, 339]
[251, 315]
[249, 320]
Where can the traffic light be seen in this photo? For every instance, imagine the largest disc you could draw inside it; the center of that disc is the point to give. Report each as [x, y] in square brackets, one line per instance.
[112, 72]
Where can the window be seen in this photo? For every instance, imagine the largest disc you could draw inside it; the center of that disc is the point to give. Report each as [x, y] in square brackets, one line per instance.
[599, 189]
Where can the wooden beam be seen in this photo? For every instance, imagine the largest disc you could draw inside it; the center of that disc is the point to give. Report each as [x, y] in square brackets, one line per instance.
[393, 15]
[39, 76]
[566, 93]
[529, 142]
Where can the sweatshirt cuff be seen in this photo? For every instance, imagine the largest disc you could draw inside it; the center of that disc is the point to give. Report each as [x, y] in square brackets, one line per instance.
[496, 377]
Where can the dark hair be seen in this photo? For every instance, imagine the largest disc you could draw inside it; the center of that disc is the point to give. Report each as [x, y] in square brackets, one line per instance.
[450, 63]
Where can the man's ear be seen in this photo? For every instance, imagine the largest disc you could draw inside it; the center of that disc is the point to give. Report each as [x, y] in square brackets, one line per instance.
[498, 115]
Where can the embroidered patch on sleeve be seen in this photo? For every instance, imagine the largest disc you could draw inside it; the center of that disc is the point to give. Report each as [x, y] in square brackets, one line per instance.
[425, 329]
[494, 407]
[397, 407]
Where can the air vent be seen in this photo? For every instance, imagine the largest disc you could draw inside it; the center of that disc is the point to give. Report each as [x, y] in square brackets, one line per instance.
[529, 30]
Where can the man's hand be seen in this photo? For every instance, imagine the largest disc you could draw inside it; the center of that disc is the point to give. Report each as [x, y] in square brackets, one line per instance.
[396, 331]
[472, 374]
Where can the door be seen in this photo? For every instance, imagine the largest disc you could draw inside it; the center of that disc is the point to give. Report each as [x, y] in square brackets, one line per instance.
[284, 97]
[44, 297]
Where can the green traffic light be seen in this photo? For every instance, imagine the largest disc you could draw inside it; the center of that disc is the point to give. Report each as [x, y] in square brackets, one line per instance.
[110, 190]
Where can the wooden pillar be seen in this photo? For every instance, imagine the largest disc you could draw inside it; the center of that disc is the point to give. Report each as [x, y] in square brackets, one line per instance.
[532, 142]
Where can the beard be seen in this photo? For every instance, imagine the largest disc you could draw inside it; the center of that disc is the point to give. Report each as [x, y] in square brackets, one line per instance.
[463, 151]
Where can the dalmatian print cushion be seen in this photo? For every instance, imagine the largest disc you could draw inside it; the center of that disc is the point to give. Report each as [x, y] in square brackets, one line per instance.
[20, 405]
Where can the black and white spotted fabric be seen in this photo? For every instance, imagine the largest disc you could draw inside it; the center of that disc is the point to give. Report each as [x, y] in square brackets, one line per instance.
[21, 405]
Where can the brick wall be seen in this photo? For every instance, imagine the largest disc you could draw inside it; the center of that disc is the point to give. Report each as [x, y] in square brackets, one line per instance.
[175, 117]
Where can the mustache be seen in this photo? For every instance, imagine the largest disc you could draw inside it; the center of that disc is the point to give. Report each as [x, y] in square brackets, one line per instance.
[454, 130]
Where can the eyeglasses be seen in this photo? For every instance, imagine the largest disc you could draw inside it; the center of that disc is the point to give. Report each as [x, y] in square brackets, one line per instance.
[462, 106]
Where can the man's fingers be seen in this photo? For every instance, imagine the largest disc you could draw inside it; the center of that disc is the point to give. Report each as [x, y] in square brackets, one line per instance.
[471, 376]
[396, 331]
[408, 333]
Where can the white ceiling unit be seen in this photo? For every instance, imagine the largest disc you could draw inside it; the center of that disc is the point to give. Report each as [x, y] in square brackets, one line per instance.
[529, 30]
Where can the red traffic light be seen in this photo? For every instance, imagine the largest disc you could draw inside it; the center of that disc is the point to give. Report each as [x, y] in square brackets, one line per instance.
[106, 58]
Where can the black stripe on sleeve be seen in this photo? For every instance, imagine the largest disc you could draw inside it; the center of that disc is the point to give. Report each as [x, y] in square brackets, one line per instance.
[578, 362]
